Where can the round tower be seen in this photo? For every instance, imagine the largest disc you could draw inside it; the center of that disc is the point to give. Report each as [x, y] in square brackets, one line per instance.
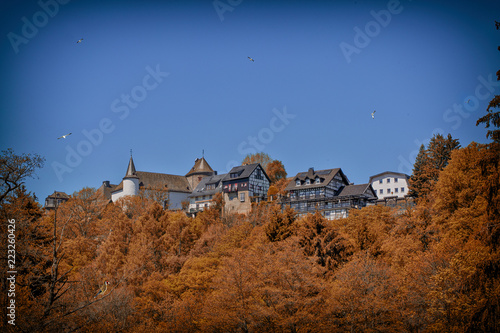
[131, 181]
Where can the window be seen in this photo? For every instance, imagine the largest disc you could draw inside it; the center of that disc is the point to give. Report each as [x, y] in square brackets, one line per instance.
[242, 197]
[388, 190]
[380, 181]
[297, 182]
[381, 191]
[308, 181]
[234, 175]
[395, 180]
[258, 174]
[402, 189]
[388, 180]
[396, 190]
[318, 180]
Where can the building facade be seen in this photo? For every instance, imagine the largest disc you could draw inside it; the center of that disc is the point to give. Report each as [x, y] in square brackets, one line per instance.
[172, 190]
[55, 199]
[327, 191]
[202, 196]
[390, 184]
[244, 185]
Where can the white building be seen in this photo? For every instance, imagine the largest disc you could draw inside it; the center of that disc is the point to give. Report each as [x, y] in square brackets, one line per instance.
[390, 184]
[173, 189]
[202, 196]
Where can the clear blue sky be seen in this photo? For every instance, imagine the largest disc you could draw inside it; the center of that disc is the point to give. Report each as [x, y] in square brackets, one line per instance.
[169, 79]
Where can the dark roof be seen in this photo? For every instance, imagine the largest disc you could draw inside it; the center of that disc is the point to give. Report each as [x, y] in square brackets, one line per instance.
[159, 181]
[403, 175]
[327, 175]
[131, 173]
[58, 195]
[361, 189]
[244, 171]
[201, 188]
[106, 189]
[200, 166]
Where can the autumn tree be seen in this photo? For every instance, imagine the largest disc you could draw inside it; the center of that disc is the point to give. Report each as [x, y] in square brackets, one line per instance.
[262, 158]
[281, 224]
[321, 239]
[429, 163]
[275, 169]
[14, 169]
[32, 250]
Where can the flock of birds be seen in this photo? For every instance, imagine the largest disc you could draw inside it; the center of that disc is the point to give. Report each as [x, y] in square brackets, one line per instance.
[249, 58]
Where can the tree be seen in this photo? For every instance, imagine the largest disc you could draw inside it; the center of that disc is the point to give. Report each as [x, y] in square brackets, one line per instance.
[275, 169]
[492, 118]
[261, 158]
[418, 179]
[430, 162]
[281, 224]
[14, 169]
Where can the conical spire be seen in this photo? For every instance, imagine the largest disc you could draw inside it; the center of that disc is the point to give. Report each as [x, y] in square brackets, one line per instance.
[131, 169]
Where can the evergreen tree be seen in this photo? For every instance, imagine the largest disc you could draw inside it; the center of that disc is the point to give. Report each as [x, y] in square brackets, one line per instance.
[493, 117]
[417, 178]
[430, 162]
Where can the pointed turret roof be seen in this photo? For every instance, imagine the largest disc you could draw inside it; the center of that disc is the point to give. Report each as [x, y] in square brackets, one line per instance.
[131, 173]
[201, 166]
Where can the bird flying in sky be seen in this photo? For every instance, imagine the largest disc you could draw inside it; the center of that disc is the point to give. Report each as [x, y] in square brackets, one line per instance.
[80, 40]
[373, 114]
[103, 289]
[250, 58]
[64, 136]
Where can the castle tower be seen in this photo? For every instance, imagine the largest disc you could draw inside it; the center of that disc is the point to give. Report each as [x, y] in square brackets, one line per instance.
[131, 181]
[200, 170]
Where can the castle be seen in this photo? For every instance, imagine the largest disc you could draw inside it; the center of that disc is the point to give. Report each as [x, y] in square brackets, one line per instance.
[326, 191]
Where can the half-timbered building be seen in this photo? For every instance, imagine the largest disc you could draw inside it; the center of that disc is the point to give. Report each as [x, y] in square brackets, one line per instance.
[244, 185]
[327, 191]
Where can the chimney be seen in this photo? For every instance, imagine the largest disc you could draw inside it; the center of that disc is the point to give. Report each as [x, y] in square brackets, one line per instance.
[310, 172]
[105, 183]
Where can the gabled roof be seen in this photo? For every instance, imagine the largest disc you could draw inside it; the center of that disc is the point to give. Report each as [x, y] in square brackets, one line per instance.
[58, 195]
[357, 190]
[201, 166]
[389, 173]
[326, 175]
[244, 171]
[160, 181]
[107, 190]
[201, 189]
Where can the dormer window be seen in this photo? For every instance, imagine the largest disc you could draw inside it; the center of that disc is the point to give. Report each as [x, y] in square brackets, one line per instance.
[318, 180]
[297, 182]
[308, 181]
[234, 175]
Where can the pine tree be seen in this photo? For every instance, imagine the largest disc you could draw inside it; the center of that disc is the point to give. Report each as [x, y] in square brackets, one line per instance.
[430, 162]
[491, 117]
[416, 182]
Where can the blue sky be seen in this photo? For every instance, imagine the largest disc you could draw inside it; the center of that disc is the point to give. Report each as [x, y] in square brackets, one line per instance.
[170, 79]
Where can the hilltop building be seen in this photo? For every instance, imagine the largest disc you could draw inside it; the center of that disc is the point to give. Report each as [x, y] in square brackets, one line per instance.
[202, 196]
[327, 191]
[55, 199]
[173, 190]
[391, 189]
[389, 184]
[244, 185]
